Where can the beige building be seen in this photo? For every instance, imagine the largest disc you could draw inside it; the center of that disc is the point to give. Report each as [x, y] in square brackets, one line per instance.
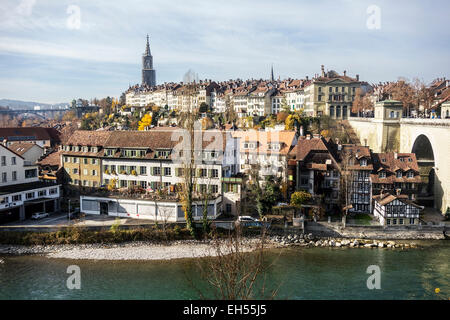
[331, 94]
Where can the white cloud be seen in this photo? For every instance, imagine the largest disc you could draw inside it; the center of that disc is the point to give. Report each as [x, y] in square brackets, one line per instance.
[25, 8]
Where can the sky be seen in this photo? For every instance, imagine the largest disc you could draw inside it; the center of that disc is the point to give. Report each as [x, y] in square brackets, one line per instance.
[53, 51]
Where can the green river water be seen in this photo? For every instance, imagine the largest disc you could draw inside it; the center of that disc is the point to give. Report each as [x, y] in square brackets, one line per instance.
[300, 273]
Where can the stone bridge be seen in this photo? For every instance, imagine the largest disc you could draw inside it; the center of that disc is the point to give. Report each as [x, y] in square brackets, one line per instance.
[429, 139]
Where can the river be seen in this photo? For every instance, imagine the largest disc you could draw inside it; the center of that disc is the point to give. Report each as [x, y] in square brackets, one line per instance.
[299, 273]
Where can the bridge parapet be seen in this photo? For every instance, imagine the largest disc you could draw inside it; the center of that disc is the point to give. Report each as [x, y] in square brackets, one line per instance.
[426, 122]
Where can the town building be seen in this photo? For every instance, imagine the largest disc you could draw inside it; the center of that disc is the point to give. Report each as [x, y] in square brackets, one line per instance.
[315, 169]
[21, 192]
[265, 151]
[31, 152]
[46, 138]
[357, 161]
[395, 173]
[331, 94]
[150, 163]
[396, 210]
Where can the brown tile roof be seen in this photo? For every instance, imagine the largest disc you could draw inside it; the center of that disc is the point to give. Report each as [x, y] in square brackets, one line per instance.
[388, 163]
[29, 133]
[386, 198]
[53, 159]
[88, 138]
[305, 146]
[286, 138]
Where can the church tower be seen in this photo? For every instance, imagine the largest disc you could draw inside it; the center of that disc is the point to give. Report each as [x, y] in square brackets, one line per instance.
[148, 73]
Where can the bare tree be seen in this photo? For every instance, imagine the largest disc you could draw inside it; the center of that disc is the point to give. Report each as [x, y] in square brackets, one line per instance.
[345, 184]
[234, 273]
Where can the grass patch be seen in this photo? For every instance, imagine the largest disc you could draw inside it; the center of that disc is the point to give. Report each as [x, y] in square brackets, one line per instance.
[362, 219]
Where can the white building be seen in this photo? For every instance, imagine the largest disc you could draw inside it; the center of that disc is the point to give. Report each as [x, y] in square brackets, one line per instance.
[21, 192]
[152, 161]
[396, 210]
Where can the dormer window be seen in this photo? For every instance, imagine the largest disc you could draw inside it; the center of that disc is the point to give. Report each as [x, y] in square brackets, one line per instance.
[399, 174]
[382, 174]
[363, 162]
[273, 146]
[248, 145]
[410, 174]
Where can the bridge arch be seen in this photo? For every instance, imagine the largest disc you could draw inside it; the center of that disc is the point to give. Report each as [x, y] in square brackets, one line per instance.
[425, 155]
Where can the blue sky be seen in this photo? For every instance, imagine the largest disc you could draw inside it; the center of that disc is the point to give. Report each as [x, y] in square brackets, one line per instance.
[45, 57]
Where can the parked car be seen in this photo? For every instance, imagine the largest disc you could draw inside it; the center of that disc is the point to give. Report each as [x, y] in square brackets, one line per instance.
[39, 215]
[247, 218]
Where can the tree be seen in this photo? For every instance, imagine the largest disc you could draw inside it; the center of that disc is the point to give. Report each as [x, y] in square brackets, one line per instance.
[299, 198]
[145, 122]
[362, 102]
[188, 122]
[345, 184]
[281, 117]
[284, 105]
[404, 92]
[325, 133]
[231, 273]
[230, 114]
[207, 123]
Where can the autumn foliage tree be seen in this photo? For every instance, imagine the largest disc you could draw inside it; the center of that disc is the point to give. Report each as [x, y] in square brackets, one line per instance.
[145, 122]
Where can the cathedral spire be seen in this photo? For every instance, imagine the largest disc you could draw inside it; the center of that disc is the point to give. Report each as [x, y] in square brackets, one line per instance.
[147, 48]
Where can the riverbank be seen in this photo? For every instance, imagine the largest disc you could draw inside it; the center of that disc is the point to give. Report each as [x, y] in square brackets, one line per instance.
[141, 250]
[138, 250]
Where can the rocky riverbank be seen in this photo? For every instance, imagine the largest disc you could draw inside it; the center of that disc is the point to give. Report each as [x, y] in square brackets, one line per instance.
[126, 251]
[308, 240]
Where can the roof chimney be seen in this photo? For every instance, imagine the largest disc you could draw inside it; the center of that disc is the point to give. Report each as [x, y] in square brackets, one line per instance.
[322, 67]
[306, 78]
[357, 77]
[345, 73]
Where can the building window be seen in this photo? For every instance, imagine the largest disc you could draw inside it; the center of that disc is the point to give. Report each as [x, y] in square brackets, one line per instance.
[382, 174]
[214, 173]
[411, 221]
[75, 171]
[400, 221]
[29, 195]
[410, 174]
[53, 191]
[14, 175]
[4, 179]
[156, 171]
[143, 171]
[85, 161]
[214, 188]
[17, 197]
[3, 161]
[13, 161]
[94, 172]
[399, 174]
[42, 193]
[31, 173]
[363, 162]
[388, 221]
[394, 221]
[85, 172]
[167, 171]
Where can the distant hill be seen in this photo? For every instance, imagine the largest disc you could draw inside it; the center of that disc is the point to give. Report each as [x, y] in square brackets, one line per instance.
[17, 104]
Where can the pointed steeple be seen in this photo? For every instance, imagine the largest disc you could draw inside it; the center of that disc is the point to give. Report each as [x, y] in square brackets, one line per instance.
[272, 78]
[147, 48]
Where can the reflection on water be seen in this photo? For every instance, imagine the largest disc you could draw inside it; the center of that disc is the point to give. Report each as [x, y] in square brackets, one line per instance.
[316, 273]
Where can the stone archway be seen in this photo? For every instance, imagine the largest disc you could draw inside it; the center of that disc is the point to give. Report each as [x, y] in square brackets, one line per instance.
[425, 158]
